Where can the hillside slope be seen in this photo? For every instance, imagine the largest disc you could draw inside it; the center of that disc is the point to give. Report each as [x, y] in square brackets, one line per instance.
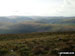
[28, 24]
[28, 27]
[36, 44]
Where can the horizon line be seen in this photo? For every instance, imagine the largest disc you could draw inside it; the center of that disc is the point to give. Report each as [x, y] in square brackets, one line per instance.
[35, 16]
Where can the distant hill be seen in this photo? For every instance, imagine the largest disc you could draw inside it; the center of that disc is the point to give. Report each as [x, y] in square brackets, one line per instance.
[57, 20]
[28, 24]
[14, 19]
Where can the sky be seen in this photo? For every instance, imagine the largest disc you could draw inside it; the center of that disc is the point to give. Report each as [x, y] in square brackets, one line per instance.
[37, 7]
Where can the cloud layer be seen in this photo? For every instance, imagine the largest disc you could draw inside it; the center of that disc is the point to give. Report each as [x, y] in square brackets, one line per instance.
[37, 7]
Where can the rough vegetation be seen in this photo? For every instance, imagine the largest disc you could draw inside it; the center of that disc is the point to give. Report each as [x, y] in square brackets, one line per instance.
[36, 44]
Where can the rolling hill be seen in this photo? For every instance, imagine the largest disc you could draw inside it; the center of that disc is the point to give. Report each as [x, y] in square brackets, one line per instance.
[28, 24]
[36, 36]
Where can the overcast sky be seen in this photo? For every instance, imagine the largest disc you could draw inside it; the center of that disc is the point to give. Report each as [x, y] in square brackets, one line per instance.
[37, 7]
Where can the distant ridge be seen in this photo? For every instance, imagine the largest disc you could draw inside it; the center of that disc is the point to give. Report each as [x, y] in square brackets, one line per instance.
[28, 24]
